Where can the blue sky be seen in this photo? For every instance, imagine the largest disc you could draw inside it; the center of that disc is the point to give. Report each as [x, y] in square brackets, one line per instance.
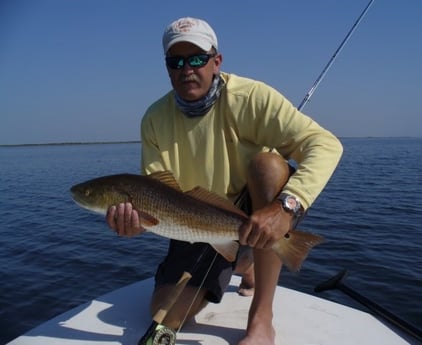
[86, 70]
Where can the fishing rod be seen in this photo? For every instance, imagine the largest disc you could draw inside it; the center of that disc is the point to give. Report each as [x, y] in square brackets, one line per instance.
[336, 282]
[159, 334]
[331, 61]
[156, 332]
[241, 198]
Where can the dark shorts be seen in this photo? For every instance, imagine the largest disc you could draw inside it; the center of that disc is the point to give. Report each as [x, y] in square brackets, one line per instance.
[196, 258]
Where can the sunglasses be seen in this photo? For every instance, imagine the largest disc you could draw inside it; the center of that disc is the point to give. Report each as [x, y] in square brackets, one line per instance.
[195, 61]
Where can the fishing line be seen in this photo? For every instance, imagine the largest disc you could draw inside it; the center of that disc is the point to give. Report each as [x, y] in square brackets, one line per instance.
[331, 61]
[157, 333]
[241, 198]
[199, 289]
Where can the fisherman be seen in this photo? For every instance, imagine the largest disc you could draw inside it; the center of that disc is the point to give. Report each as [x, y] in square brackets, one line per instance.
[216, 130]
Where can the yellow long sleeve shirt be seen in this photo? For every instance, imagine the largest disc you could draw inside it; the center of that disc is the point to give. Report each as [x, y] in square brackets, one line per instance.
[213, 150]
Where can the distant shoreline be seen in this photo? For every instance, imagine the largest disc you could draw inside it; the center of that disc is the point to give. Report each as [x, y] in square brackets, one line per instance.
[73, 143]
[139, 142]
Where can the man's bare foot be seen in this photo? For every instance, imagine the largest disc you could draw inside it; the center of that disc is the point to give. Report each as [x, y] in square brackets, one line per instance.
[245, 267]
[247, 285]
[245, 290]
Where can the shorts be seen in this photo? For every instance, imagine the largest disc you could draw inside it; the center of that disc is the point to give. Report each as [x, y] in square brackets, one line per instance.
[196, 258]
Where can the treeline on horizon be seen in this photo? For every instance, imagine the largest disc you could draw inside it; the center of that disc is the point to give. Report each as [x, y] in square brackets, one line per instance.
[74, 143]
[139, 141]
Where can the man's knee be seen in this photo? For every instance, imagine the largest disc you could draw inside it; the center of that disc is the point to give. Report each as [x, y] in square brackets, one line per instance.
[268, 165]
[266, 162]
[267, 174]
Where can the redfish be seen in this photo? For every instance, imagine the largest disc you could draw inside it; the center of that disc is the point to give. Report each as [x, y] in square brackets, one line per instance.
[197, 215]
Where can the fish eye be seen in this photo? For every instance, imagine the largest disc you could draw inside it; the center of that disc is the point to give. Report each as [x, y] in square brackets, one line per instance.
[87, 192]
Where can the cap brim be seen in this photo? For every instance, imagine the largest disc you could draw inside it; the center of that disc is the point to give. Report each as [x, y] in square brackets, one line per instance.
[204, 44]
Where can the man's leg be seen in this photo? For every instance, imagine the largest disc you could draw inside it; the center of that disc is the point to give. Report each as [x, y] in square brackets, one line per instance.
[190, 302]
[268, 173]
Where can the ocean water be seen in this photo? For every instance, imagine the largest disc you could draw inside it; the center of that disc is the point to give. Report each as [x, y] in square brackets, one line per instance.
[55, 256]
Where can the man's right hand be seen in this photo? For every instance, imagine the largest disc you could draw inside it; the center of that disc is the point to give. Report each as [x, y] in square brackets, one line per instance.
[124, 220]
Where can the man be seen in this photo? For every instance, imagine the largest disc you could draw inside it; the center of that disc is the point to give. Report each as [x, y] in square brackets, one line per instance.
[215, 130]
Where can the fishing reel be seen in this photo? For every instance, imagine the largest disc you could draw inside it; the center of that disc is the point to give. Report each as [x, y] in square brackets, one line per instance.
[160, 335]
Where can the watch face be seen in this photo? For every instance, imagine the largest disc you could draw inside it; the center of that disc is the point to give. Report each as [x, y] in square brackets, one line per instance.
[291, 203]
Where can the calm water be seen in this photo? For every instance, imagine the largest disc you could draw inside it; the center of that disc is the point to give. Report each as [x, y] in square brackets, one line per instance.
[55, 255]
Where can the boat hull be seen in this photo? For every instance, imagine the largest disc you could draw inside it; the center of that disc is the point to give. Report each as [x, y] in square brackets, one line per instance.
[122, 317]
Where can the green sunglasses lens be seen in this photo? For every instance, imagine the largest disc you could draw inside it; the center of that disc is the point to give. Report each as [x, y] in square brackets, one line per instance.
[178, 62]
[198, 60]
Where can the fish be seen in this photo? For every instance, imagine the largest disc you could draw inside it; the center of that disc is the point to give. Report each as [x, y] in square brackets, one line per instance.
[197, 215]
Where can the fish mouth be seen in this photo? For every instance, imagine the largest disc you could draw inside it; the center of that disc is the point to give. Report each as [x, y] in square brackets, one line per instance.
[89, 207]
[75, 190]
[81, 202]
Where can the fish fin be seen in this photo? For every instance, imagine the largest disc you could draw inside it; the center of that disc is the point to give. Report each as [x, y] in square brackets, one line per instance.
[295, 247]
[167, 178]
[147, 220]
[228, 250]
[214, 199]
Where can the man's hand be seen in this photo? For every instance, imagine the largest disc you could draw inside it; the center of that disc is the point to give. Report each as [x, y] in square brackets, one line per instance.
[265, 226]
[124, 220]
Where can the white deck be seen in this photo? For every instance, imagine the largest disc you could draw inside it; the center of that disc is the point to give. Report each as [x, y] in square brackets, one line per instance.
[121, 318]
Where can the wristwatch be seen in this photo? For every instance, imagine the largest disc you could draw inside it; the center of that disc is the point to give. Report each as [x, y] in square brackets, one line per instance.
[290, 204]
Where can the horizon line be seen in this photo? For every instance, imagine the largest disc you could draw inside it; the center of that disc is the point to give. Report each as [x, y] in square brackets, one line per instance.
[139, 141]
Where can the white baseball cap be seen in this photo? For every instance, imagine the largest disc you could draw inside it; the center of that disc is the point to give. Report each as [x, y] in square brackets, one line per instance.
[195, 31]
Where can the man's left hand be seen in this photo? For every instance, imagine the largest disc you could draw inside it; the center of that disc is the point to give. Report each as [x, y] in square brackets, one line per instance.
[265, 226]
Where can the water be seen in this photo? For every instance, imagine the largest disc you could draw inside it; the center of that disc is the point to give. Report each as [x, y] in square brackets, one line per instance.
[55, 256]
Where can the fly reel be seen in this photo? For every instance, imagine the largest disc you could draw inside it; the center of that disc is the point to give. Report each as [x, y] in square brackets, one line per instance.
[162, 335]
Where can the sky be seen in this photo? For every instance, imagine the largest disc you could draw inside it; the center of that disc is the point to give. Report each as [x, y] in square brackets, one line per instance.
[86, 70]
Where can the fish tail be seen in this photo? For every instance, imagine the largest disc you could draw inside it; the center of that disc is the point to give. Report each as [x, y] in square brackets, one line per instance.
[294, 247]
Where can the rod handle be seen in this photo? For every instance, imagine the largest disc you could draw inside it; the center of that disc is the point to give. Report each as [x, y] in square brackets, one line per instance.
[161, 314]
